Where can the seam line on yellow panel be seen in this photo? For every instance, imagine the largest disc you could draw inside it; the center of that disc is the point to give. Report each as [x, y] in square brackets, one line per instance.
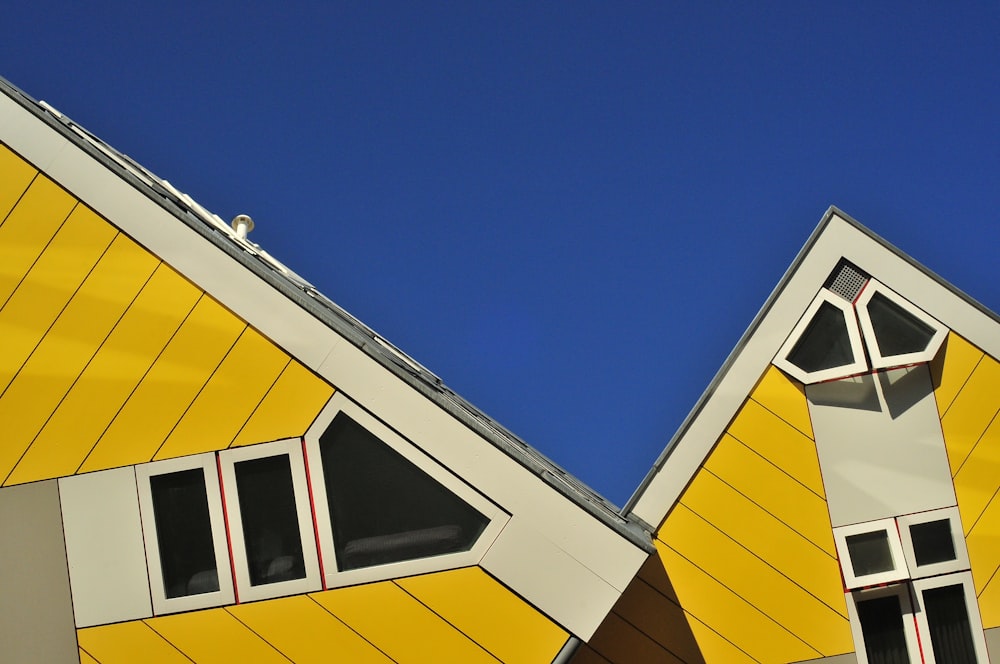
[448, 622]
[97, 350]
[811, 435]
[745, 601]
[740, 544]
[776, 467]
[42, 253]
[19, 198]
[994, 497]
[89, 654]
[360, 635]
[656, 643]
[257, 634]
[958, 394]
[975, 445]
[257, 406]
[200, 390]
[762, 508]
[141, 379]
[713, 631]
[649, 636]
[168, 642]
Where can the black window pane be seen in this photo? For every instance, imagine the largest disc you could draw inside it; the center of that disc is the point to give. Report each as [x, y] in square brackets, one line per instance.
[384, 509]
[897, 330]
[932, 542]
[184, 533]
[870, 553]
[270, 519]
[948, 618]
[882, 625]
[825, 343]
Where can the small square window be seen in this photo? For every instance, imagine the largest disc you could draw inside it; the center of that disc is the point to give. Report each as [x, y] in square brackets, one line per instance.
[870, 553]
[933, 542]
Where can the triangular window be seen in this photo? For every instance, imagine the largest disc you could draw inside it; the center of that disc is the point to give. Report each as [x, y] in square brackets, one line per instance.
[825, 344]
[383, 508]
[895, 331]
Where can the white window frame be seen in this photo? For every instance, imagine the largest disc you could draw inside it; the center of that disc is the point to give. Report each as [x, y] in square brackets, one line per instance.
[224, 595]
[963, 579]
[897, 573]
[880, 361]
[333, 577]
[860, 365]
[227, 462]
[900, 590]
[961, 561]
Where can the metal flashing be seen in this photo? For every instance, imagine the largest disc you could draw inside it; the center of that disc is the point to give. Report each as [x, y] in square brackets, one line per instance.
[303, 294]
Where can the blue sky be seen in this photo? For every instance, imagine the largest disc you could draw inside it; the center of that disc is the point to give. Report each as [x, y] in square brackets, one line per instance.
[568, 211]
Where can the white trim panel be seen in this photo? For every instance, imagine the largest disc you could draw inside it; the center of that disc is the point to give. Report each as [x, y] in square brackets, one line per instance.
[104, 547]
[550, 578]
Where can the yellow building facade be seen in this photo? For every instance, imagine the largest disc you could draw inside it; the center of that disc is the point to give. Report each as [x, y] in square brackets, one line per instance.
[206, 460]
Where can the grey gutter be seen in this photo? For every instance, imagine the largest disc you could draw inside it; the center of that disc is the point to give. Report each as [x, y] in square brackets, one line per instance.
[322, 308]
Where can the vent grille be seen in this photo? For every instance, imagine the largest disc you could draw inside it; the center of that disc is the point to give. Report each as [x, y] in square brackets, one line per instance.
[847, 280]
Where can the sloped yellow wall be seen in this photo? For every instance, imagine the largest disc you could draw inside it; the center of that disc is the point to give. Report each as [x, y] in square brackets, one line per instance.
[111, 358]
[968, 398]
[460, 615]
[749, 547]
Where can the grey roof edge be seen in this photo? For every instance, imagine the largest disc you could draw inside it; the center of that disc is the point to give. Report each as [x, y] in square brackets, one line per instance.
[329, 313]
[828, 216]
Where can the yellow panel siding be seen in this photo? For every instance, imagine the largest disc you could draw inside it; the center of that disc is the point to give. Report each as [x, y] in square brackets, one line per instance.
[983, 542]
[228, 399]
[26, 231]
[784, 397]
[289, 407]
[778, 442]
[714, 648]
[87, 659]
[587, 655]
[15, 176]
[48, 286]
[489, 614]
[971, 411]
[657, 617]
[732, 617]
[127, 643]
[978, 480]
[400, 626]
[215, 637]
[951, 368]
[168, 389]
[72, 341]
[305, 632]
[621, 643]
[109, 378]
[989, 603]
[768, 538]
[752, 579]
[773, 490]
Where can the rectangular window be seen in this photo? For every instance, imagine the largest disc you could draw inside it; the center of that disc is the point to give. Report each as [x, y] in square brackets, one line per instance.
[948, 615]
[933, 542]
[184, 531]
[267, 501]
[870, 553]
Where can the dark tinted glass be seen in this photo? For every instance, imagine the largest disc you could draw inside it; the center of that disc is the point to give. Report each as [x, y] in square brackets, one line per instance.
[932, 542]
[825, 343]
[948, 618]
[270, 519]
[384, 509]
[870, 553]
[882, 625]
[184, 533]
[897, 330]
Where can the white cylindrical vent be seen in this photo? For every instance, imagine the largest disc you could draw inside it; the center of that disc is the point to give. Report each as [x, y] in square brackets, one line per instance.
[242, 224]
